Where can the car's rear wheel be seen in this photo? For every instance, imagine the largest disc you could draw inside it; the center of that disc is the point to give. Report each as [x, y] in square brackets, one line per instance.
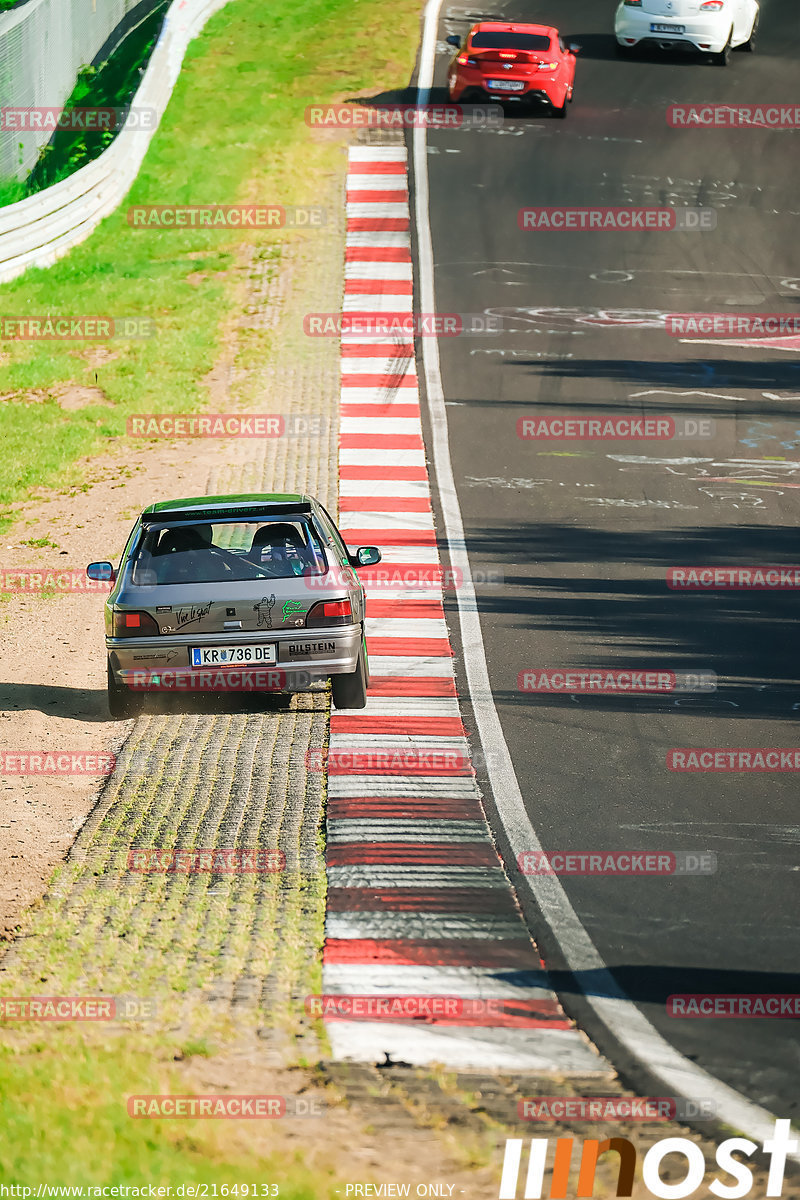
[750, 44]
[622, 50]
[350, 691]
[122, 702]
[724, 57]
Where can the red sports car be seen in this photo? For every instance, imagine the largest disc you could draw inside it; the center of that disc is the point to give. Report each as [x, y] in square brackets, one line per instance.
[509, 62]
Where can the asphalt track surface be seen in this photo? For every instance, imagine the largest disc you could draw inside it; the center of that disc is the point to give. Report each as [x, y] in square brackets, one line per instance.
[584, 535]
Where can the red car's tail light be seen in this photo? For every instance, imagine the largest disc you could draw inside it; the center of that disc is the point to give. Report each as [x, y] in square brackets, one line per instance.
[133, 624]
[712, 5]
[547, 66]
[330, 612]
[464, 60]
[502, 55]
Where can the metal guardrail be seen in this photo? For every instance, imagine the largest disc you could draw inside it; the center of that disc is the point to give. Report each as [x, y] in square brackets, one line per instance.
[40, 229]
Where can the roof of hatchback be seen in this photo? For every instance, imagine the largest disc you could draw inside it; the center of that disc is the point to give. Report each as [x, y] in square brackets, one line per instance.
[513, 27]
[256, 499]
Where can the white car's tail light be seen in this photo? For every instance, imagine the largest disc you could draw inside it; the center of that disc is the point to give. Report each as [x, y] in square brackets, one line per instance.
[633, 3]
[712, 5]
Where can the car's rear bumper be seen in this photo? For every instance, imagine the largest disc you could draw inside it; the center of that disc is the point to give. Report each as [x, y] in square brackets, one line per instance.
[533, 93]
[707, 35]
[309, 654]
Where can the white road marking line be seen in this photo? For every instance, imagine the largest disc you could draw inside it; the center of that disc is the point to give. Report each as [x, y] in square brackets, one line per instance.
[475, 1048]
[432, 666]
[465, 982]
[393, 488]
[421, 925]
[433, 787]
[347, 830]
[408, 706]
[367, 456]
[381, 425]
[370, 208]
[407, 627]
[351, 394]
[369, 154]
[382, 875]
[377, 270]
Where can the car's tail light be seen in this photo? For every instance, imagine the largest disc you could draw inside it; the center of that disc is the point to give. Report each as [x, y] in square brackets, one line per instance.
[633, 3]
[133, 624]
[712, 5]
[547, 66]
[330, 612]
[464, 60]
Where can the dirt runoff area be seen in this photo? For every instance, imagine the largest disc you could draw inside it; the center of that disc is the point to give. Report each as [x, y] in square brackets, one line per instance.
[53, 696]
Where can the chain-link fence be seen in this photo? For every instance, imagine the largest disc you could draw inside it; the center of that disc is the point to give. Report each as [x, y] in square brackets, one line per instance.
[43, 45]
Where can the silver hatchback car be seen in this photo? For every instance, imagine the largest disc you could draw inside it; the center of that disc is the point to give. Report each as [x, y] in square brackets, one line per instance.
[249, 592]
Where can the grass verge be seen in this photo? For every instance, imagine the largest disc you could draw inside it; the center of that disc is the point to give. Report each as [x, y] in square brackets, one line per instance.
[238, 107]
[69, 1124]
[234, 131]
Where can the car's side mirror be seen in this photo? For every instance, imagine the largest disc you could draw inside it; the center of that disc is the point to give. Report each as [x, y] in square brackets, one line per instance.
[454, 40]
[574, 48]
[101, 572]
[365, 556]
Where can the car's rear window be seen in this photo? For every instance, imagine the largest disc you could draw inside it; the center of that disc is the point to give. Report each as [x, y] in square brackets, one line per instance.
[510, 41]
[227, 551]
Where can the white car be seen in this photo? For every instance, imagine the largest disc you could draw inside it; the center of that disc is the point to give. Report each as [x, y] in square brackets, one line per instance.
[710, 26]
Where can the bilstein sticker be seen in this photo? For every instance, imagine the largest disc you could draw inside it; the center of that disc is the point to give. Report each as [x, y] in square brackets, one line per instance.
[311, 648]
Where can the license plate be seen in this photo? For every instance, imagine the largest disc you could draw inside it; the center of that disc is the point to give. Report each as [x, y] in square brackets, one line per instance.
[506, 85]
[667, 28]
[231, 656]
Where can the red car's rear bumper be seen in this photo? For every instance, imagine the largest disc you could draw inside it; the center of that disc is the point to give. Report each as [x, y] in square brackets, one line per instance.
[470, 84]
